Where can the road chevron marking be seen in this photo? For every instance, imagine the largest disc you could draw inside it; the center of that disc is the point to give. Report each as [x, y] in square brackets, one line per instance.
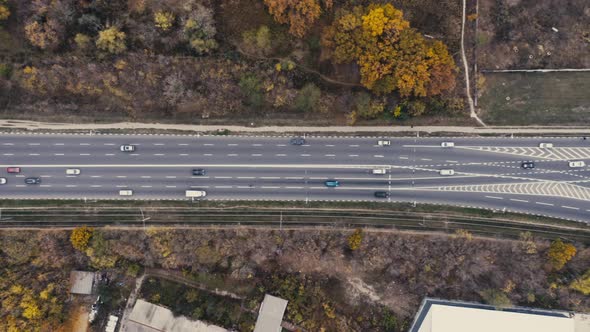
[557, 153]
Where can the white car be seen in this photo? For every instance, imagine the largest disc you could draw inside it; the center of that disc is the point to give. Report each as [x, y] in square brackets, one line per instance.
[446, 172]
[380, 171]
[127, 148]
[125, 192]
[384, 143]
[545, 145]
[447, 144]
[2, 180]
[72, 171]
[577, 164]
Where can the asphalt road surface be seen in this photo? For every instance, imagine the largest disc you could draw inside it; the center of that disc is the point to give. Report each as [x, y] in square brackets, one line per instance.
[487, 170]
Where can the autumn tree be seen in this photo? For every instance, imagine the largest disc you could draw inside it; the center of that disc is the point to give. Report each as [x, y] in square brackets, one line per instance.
[257, 41]
[391, 55]
[4, 11]
[496, 298]
[199, 30]
[111, 40]
[308, 98]
[560, 253]
[80, 237]
[163, 20]
[300, 15]
[45, 35]
[582, 284]
[355, 239]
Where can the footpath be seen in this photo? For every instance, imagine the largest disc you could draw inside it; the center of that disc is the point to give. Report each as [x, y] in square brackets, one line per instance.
[54, 126]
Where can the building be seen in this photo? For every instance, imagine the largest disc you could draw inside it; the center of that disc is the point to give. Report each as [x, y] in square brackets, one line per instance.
[271, 314]
[81, 282]
[454, 316]
[148, 317]
[112, 324]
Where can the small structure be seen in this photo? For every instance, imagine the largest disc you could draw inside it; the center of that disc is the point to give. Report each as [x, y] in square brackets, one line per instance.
[81, 282]
[271, 314]
[148, 317]
[112, 324]
[437, 315]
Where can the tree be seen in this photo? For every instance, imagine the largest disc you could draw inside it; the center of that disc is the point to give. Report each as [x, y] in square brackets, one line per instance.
[354, 240]
[251, 89]
[391, 55]
[582, 284]
[80, 237]
[4, 11]
[111, 40]
[164, 20]
[199, 30]
[46, 35]
[299, 14]
[82, 41]
[257, 41]
[496, 298]
[308, 98]
[560, 253]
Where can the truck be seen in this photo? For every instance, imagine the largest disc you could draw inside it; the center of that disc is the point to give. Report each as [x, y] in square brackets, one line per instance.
[196, 193]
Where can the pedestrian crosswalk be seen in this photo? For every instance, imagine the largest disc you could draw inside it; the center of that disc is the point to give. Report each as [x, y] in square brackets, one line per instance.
[547, 188]
[556, 153]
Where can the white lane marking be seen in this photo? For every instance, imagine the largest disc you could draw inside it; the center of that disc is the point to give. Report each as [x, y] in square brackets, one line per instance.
[109, 143]
[33, 154]
[208, 144]
[159, 154]
[45, 185]
[146, 177]
[259, 166]
[109, 154]
[232, 155]
[329, 145]
[7, 143]
[329, 155]
[494, 197]
[135, 154]
[170, 177]
[541, 203]
[71, 186]
[58, 154]
[199, 177]
[20, 176]
[294, 178]
[84, 143]
[518, 200]
[182, 144]
[305, 155]
[426, 159]
[20, 185]
[207, 154]
[96, 176]
[270, 177]
[281, 144]
[570, 207]
[281, 155]
[96, 186]
[256, 155]
[353, 155]
[200, 186]
[170, 186]
[403, 157]
[146, 186]
[378, 156]
[222, 177]
[354, 145]
[222, 186]
[246, 177]
[183, 154]
[451, 161]
[59, 144]
[122, 176]
[121, 186]
[34, 143]
[159, 144]
[232, 144]
[8, 154]
[256, 144]
[270, 187]
[293, 187]
[84, 154]
[46, 176]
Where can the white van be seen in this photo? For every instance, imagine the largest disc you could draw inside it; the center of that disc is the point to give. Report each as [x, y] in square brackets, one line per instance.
[545, 145]
[447, 144]
[384, 143]
[72, 171]
[126, 192]
[446, 172]
[577, 164]
[196, 193]
[380, 171]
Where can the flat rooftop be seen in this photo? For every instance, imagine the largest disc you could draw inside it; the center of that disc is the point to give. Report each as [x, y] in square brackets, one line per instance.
[271, 314]
[81, 282]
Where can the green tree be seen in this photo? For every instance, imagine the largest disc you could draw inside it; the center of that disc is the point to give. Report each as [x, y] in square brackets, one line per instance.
[560, 253]
[111, 40]
[355, 239]
[496, 298]
[257, 41]
[80, 237]
[252, 90]
[308, 98]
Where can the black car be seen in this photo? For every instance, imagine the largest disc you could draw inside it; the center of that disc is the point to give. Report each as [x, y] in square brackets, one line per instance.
[381, 194]
[527, 164]
[199, 172]
[297, 141]
[33, 180]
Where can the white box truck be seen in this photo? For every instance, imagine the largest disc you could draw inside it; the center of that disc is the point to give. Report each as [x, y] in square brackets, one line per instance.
[196, 193]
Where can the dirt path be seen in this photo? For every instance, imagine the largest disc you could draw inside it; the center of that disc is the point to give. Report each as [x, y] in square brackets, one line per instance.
[179, 278]
[131, 303]
[473, 114]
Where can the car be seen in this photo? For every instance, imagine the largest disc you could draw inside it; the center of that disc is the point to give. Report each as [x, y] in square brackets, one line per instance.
[297, 141]
[199, 172]
[545, 145]
[332, 183]
[379, 171]
[72, 171]
[577, 164]
[126, 192]
[2, 180]
[527, 164]
[13, 170]
[127, 148]
[33, 180]
[381, 194]
[384, 142]
[446, 172]
[447, 144]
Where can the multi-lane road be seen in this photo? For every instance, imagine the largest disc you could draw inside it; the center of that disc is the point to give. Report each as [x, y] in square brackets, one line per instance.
[487, 171]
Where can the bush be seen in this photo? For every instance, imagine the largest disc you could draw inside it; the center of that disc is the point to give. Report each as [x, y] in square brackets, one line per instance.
[111, 40]
[80, 237]
[251, 89]
[560, 253]
[308, 98]
[355, 240]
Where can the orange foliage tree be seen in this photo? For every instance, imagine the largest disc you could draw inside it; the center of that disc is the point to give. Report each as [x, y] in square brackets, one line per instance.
[390, 54]
[299, 14]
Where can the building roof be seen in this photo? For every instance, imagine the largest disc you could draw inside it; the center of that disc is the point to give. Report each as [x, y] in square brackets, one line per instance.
[455, 316]
[271, 314]
[81, 282]
[148, 317]
[112, 323]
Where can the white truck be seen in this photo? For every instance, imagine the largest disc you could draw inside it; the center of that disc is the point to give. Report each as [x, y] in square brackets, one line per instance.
[196, 193]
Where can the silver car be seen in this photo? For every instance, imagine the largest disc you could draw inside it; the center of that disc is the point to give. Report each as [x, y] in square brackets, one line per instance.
[127, 148]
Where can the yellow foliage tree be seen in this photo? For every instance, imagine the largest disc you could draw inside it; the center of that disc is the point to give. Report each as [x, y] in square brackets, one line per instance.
[560, 253]
[164, 20]
[111, 40]
[44, 35]
[355, 240]
[299, 14]
[582, 284]
[80, 237]
[4, 11]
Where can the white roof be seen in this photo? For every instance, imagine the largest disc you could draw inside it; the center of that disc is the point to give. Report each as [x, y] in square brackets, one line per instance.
[112, 324]
[81, 282]
[271, 314]
[148, 317]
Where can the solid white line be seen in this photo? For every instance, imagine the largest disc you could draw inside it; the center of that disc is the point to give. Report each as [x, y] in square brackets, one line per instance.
[494, 197]
[570, 207]
[541, 203]
[519, 200]
[259, 166]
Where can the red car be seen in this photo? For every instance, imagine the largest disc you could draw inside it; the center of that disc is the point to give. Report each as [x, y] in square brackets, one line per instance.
[13, 169]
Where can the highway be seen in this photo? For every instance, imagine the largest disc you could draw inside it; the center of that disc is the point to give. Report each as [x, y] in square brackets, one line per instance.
[488, 172]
